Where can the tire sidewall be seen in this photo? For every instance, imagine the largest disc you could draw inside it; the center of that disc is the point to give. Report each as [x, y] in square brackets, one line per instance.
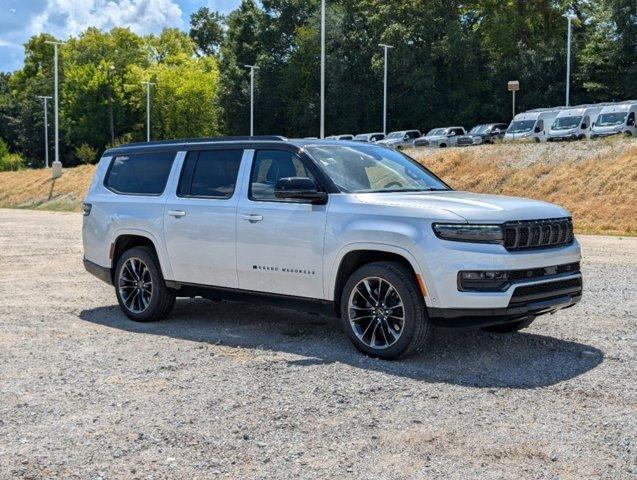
[414, 312]
[156, 277]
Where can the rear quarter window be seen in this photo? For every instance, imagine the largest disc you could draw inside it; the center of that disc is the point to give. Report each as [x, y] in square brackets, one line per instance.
[139, 174]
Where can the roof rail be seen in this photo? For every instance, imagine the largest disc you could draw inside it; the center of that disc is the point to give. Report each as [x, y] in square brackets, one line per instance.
[272, 138]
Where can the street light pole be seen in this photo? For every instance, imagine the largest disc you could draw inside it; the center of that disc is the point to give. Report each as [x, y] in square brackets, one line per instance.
[148, 85]
[386, 47]
[57, 165]
[109, 73]
[322, 135]
[46, 129]
[252, 68]
[570, 16]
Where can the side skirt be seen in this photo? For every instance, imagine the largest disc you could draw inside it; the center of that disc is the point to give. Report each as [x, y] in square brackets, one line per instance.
[301, 304]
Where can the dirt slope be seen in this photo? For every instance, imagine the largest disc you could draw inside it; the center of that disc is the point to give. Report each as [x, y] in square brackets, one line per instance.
[596, 181]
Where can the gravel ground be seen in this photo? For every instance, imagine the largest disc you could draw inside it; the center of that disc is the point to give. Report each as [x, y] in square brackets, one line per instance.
[236, 391]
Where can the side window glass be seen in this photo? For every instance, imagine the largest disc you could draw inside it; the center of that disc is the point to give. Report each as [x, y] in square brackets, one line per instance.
[540, 125]
[631, 119]
[139, 174]
[269, 167]
[210, 173]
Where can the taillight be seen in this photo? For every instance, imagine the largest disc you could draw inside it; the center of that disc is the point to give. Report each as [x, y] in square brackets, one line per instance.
[86, 209]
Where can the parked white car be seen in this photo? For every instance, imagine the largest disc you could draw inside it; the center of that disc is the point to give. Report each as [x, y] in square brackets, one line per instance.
[357, 231]
[400, 140]
[369, 137]
[573, 123]
[441, 137]
[616, 119]
[532, 125]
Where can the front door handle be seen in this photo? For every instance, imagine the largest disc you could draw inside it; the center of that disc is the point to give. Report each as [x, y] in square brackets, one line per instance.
[177, 213]
[252, 218]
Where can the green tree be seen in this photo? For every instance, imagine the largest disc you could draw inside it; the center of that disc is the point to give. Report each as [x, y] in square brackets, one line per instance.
[206, 30]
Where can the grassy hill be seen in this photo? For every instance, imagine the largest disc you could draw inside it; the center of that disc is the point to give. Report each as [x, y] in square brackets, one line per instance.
[596, 181]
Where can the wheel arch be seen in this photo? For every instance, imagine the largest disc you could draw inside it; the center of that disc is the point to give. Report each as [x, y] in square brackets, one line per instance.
[127, 239]
[353, 257]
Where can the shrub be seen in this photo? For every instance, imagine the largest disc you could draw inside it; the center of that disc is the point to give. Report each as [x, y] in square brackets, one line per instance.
[85, 153]
[11, 162]
[4, 149]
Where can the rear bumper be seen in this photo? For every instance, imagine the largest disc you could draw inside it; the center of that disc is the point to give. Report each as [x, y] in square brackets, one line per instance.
[103, 273]
[524, 305]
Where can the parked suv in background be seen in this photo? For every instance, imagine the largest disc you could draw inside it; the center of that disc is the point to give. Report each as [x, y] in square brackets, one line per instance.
[400, 140]
[487, 133]
[440, 137]
[353, 230]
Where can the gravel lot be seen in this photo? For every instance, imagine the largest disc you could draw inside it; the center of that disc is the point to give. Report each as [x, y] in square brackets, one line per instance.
[235, 391]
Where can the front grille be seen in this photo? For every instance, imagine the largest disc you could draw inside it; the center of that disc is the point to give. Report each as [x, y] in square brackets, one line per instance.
[534, 234]
[545, 291]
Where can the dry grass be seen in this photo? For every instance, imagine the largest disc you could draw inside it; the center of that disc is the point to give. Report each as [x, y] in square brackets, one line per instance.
[35, 189]
[596, 181]
[598, 186]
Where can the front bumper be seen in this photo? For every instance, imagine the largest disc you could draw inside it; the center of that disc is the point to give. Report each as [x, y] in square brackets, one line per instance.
[526, 301]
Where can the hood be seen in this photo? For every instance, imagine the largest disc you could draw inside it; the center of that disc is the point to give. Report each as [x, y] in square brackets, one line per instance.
[473, 207]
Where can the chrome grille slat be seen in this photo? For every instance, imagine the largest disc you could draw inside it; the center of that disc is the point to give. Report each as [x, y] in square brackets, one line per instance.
[534, 234]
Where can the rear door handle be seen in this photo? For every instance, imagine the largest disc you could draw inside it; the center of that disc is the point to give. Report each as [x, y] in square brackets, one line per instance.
[177, 213]
[252, 218]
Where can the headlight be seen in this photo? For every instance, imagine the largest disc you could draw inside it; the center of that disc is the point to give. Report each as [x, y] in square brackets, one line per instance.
[469, 233]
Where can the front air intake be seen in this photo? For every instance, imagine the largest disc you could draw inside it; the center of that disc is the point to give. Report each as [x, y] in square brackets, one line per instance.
[535, 234]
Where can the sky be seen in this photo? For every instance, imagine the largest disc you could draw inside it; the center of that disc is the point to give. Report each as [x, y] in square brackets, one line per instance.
[20, 19]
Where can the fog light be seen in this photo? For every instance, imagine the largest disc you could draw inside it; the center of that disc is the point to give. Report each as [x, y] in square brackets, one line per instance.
[486, 281]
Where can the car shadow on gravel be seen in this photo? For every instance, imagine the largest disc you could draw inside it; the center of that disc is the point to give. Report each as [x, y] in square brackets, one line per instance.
[461, 357]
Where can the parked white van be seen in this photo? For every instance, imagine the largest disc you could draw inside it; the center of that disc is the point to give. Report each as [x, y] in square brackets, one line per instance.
[574, 123]
[615, 119]
[532, 125]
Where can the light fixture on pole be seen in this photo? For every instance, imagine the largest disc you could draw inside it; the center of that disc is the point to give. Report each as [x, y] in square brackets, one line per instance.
[252, 68]
[148, 85]
[57, 165]
[570, 16]
[322, 135]
[386, 47]
[513, 86]
[46, 129]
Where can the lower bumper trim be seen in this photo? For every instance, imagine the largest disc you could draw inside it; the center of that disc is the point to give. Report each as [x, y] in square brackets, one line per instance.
[103, 273]
[482, 317]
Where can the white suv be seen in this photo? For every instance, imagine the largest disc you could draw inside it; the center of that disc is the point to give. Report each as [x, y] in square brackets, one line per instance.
[358, 231]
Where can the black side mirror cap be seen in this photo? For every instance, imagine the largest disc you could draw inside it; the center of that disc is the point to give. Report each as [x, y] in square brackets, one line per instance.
[301, 189]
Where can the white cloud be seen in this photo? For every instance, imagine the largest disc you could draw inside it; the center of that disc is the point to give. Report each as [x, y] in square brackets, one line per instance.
[64, 18]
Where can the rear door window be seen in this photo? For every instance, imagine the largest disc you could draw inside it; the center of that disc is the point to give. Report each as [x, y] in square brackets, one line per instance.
[210, 174]
[139, 174]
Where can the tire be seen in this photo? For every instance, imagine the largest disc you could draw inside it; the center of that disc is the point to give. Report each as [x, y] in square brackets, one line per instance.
[395, 339]
[510, 327]
[153, 301]
[443, 145]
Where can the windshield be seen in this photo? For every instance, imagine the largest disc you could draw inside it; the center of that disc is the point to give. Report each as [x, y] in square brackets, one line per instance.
[393, 135]
[368, 168]
[611, 119]
[361, 138]
[436, 131]
[521, 126]
[564, 123]
[479, 129]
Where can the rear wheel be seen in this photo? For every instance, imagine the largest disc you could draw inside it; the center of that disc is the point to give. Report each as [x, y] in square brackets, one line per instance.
[383, 311]
[510, 327]
[140, 288]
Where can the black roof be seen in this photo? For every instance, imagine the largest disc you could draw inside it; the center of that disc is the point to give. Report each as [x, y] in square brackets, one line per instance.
[138, 147]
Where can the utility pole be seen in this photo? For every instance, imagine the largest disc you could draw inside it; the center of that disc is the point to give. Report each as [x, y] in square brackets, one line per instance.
[57, 165]
[252, 68]
[46, 129]
[109, 73]
[148, 85]
[386, 47]
[322, 135]
[570, 16]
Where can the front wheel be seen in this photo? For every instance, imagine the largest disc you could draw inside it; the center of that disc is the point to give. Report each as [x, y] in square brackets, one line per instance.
[383, 311]
[140, 288]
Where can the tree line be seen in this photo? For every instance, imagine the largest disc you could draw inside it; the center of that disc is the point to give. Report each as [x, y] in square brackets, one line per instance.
[450, 65]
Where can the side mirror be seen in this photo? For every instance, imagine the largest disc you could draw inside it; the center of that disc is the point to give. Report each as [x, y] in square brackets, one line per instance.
[593, 124]
[299, 188]
[537, 129]
[496, 131]
[630, 122]
[584, 126]
[451, 134]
